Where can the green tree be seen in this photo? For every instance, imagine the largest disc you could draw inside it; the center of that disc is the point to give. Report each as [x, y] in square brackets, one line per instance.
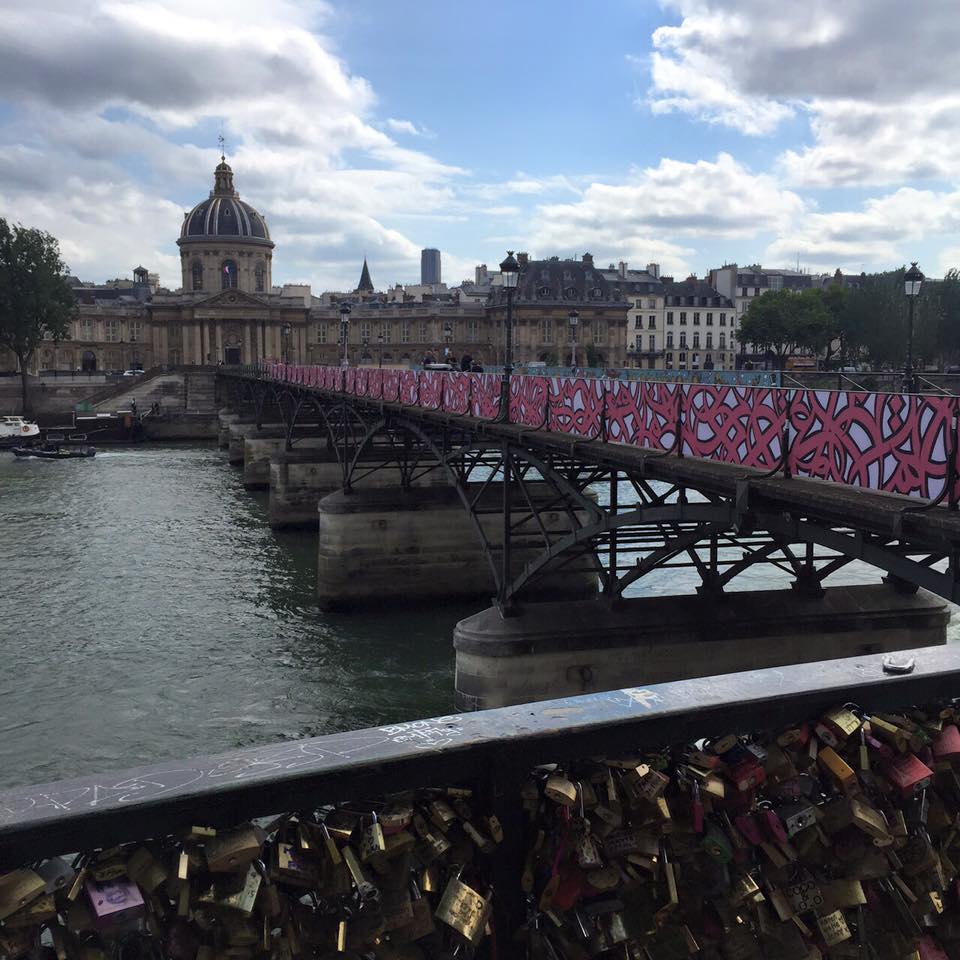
[785, 322]
[35, 299]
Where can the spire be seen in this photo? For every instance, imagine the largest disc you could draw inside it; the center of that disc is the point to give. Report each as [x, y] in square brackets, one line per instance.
[366, 284]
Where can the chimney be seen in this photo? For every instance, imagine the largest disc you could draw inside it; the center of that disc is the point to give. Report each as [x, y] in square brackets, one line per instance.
[622, 269]
[588, 260]
[523, 258]
[654, 270]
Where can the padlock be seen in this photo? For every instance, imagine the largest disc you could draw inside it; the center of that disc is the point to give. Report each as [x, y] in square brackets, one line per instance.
[234, 850]
[907, 773]
[17, 889]
[114, 903]
[463, 909]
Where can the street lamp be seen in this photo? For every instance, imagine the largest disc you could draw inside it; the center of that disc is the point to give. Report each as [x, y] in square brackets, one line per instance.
[447, 339]
[344, 331]
[912, 281]
[285, 330]
[380, 349]
[510, 274]
[574, 318]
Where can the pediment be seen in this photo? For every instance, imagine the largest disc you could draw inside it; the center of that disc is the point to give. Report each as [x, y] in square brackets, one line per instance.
[232, 299]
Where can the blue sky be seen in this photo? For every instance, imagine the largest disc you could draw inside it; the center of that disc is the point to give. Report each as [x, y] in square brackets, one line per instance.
[690, 133]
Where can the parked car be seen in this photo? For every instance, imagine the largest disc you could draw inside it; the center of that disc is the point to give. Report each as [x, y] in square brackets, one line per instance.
[132, 373]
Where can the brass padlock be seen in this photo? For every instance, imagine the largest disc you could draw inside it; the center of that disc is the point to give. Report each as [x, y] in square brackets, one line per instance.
[17, 889]
[463, 909]
[233, 851]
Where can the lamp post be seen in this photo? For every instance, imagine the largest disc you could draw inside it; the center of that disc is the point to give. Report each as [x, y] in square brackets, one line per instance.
[380, 349]
[344, 332]
[447, 339]
[285, 330]
[364, 343]
[912, 281]
[574, 318]
[510, 274]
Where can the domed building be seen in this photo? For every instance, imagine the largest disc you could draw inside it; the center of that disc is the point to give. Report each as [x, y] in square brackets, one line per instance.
[224, 243]
[226, 311]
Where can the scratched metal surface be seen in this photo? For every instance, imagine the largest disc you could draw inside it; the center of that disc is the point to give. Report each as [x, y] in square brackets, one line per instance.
[502, 743]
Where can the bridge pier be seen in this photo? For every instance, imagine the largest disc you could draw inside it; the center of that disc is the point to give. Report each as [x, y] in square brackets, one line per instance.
[567, 648]
[301, 477]
[226, 419]
[240, 430]
[260, 447]
[393, 546]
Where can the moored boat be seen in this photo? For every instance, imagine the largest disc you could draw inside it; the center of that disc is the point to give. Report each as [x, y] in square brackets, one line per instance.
[15, 431]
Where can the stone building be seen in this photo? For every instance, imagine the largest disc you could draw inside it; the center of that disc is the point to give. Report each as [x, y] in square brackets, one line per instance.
[546, 293]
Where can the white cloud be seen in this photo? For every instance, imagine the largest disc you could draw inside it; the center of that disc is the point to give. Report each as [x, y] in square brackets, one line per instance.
[108, 97]
[879, 235]
[875, 78]
[404, 126]
[658, 212]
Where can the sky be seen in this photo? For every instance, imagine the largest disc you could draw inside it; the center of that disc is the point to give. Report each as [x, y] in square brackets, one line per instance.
[690, 133]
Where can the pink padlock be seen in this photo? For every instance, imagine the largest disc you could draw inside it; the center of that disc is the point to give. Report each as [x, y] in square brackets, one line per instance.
[115, 903]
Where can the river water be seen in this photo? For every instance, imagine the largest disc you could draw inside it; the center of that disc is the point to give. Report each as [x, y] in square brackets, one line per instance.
[148, 612]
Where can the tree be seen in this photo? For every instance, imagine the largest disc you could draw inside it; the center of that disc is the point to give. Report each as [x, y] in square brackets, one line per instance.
[784, 322]
[35, 299]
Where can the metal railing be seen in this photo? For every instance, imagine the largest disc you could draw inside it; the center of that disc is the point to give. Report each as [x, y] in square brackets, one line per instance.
[495, 750]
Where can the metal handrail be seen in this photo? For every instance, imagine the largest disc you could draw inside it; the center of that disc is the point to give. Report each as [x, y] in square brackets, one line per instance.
[491, 746]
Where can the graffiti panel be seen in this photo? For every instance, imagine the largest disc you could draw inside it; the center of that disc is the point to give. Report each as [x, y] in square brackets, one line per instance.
[577, 406]
[485, 395]
[894, 442]
[431, 389]
[390, 390]
[456, 393]
[528, 400]
[741, 425]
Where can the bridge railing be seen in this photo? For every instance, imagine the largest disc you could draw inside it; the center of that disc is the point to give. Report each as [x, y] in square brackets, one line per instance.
[892, 442]
[497, 755]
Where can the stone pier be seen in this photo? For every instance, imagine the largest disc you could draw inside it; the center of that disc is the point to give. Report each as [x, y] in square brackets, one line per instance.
[226, 419]
[261, 446]
[388, 545]
[301, 477]
[567, 648]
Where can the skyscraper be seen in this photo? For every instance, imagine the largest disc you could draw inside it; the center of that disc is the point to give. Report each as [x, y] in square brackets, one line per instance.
[430, 266]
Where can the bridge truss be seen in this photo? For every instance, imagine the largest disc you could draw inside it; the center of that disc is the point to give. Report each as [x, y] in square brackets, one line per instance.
[629, 512]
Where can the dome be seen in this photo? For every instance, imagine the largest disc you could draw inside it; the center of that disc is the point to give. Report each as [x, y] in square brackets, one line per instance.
[224, 214]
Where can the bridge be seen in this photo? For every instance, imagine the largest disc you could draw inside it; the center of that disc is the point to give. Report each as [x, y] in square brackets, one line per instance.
[578, 482]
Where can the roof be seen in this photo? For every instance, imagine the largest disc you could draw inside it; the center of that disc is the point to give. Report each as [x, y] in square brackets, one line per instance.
[224, 214]
[366, 284]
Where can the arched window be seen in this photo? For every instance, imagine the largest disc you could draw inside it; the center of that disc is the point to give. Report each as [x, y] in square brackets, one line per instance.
[197, 275]
[228, 275]
[258, 277]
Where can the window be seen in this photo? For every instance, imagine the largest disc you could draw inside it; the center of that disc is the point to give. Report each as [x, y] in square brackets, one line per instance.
[136, 331]
[682, 358]
[422, 331]
[197, 271]
[473, 330]
[405, 331]
[112, 328]
[723, 319]
[258, 275]
[683, 341]
[638, 322]
[669, 316]
[638, 342]
[651, 304]
[571, 293]
[696, 340]
[321, 333]
[597, 333]
[651, 323]
[383, 334]
[723, 340]
[543, 292]
[652, 341]
[365, 331]
[696, 319]
[709, 319]
[669, 339]
[228, 275]
[638, 304]
[86, 328]
[683, 316]
[546, 331]
[709, 341]
[669, 358]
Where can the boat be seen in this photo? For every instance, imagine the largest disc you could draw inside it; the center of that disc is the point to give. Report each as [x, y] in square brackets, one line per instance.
[49, 452]
[15, 431]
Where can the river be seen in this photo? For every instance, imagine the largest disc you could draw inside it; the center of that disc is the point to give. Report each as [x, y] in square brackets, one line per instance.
[148, 612]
